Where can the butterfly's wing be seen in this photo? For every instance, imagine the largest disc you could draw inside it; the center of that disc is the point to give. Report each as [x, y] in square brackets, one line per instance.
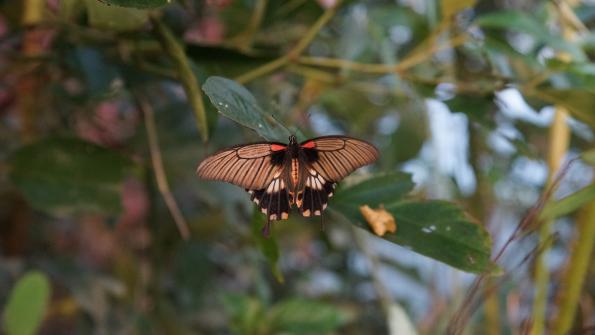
[258, 168]
[251, 166]
[327, 160]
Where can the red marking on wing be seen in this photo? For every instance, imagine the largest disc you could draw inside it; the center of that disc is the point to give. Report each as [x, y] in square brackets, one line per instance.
[278, 147]
[309, 145]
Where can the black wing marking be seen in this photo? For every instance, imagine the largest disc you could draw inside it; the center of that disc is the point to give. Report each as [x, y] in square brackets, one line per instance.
[314, 198]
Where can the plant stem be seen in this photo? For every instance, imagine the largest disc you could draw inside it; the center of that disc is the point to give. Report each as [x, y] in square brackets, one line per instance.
[574, 275]
[157, 163]
[558, 145]
[187, 77]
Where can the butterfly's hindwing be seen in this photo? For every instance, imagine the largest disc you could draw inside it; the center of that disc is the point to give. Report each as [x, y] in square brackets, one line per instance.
[314, 198]
[273, 201]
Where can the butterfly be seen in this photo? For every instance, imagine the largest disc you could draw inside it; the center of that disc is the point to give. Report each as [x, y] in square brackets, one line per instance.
[278, 176]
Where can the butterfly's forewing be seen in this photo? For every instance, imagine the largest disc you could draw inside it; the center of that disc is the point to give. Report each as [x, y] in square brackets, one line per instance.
[251, 166]
[327, 160]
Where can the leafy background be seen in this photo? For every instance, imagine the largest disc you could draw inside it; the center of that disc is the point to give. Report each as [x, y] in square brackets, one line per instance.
[482, 112]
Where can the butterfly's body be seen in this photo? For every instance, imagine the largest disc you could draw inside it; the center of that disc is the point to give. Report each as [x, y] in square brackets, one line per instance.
[278, 176]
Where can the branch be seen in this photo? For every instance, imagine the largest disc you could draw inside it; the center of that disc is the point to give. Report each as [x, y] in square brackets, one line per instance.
[293, 53]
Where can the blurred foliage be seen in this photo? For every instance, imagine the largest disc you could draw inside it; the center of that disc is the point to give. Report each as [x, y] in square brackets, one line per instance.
[457, 95]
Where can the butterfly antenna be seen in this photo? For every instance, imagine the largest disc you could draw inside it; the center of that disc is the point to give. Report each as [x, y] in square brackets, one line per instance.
[321, 222]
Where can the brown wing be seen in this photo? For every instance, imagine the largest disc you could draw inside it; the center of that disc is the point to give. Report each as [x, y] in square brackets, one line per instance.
[335, 157]
[251, 166]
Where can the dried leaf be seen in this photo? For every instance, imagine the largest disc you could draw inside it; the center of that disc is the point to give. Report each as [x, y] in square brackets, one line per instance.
[379, 220]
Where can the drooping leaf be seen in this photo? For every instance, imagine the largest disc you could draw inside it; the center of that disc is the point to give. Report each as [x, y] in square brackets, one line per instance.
[268, 245]
[519, 21]
[104, 16]
[300, 316]
[138, 3]
[65, 175]
[437, 229]
[568, 204]
[234, 101]
[27, 304]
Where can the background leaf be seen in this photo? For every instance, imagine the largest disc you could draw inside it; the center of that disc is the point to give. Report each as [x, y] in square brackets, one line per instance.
[568, 204]
[138, 3]
[27, 304]
[234, 101]
[518, 21]
[268, 245]
[65, 175]
[102, 15]
[300, 316]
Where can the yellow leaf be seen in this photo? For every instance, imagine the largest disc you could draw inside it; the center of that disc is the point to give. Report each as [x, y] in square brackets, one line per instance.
[379, 220]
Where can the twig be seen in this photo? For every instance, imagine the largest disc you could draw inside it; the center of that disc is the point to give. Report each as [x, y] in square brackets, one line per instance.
[157, 163]
[293, 53]
[413, 59]
[525, 227]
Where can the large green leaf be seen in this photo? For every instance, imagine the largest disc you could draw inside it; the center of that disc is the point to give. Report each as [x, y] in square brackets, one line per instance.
[519, 21]
[65, 175]
[138, 3]
[300, 316]
[437, 229]
[234, 101]
[27, 304]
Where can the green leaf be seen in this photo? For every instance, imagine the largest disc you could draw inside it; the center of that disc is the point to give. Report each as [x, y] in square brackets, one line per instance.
[521, 22]
[234, 101]
[65, 175]
[451, 7]
[437, 229]
[104, 16]
[579, 102]
[268, 246]
[27, 304]
[376, 190]
[568, 204]
[300, 316]
[137, 3]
